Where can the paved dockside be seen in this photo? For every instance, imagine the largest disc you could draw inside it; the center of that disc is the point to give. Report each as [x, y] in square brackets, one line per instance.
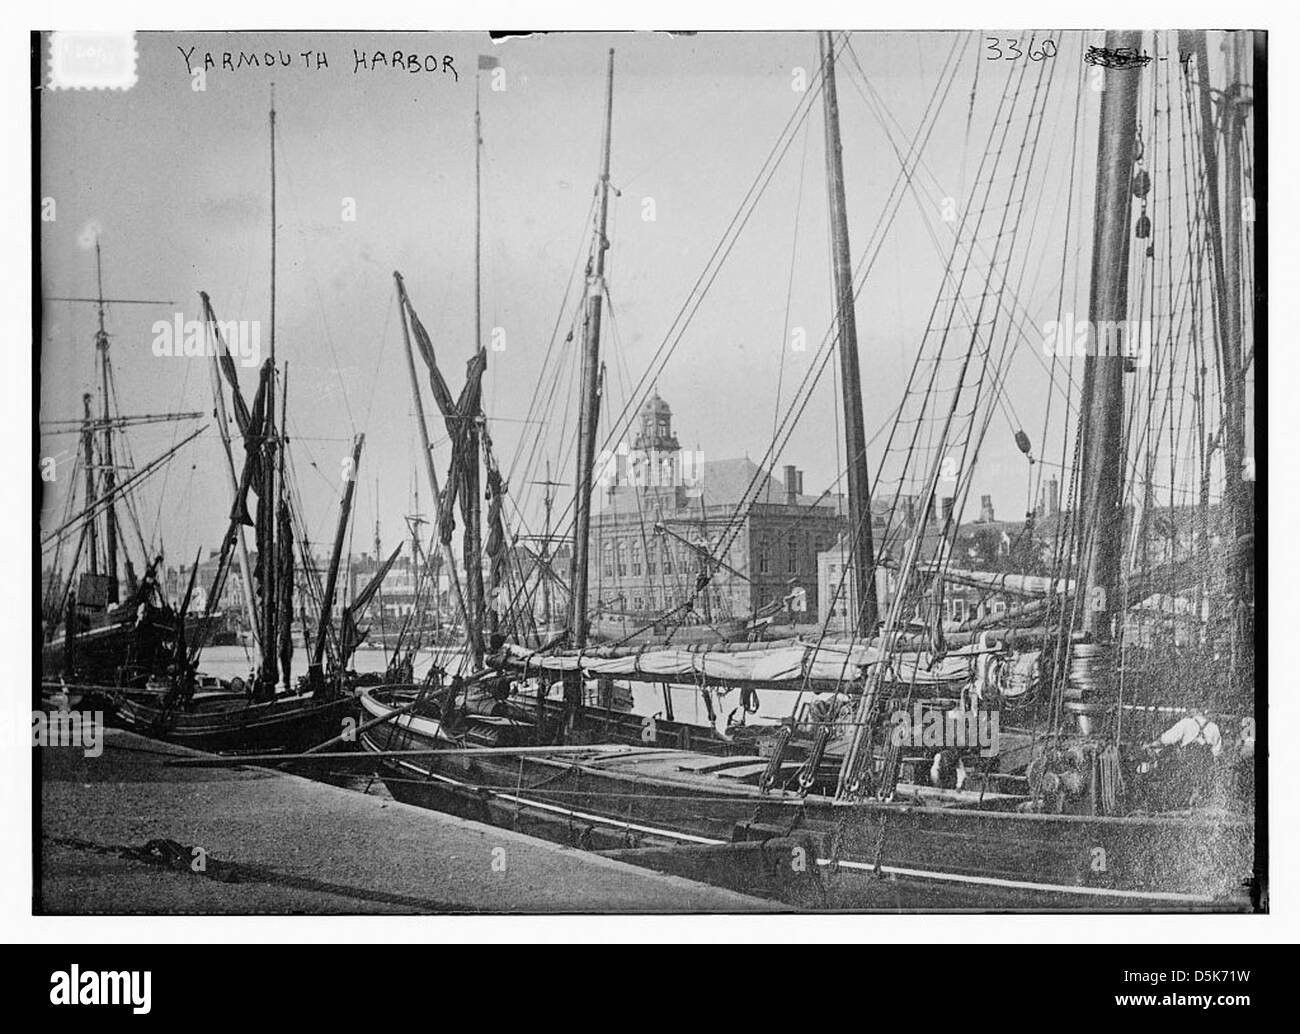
[124, 833]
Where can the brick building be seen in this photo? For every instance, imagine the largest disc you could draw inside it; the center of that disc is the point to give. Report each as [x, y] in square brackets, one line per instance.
[662, 512]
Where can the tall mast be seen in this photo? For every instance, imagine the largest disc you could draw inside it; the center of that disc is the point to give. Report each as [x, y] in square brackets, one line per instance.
[269, 564]
[1190, 42]
[273, 234]
[473, 494]
[589, 401]
[88, 445]
[413, 523]
[478, 217]
[861, 545]
[1224, 238]
[704, 560]
[1237, 54]
[107, 422]
[1102, 411]
[548, 499]
[110, 474]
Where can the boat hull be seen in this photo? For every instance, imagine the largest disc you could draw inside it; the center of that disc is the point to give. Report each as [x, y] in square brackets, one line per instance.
[116, 653]
[226, 722]
[972, 853]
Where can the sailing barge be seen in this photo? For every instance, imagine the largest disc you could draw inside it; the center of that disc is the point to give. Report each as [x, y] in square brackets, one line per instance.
[271, 713]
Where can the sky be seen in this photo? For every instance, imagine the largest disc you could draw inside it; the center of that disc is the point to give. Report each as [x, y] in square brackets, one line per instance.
[173, 177]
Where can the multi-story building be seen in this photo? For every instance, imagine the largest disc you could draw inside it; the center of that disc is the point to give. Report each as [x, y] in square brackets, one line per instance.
[177, 579]
[837, 587]
[1019, 552]
[396, 598]
[666, 516]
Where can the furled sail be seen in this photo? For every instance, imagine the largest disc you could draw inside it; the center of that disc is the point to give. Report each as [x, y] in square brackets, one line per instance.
[789, 664]
[284, 593]
[255, 431]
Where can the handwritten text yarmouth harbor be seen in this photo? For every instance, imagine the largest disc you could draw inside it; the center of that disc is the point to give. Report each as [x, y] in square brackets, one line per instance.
[317, 60]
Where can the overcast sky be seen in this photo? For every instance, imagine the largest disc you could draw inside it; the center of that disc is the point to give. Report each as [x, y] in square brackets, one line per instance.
[176, 180]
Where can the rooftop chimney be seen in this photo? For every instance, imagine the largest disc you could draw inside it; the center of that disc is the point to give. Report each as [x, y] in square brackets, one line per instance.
[793, 483]
[1049, 498]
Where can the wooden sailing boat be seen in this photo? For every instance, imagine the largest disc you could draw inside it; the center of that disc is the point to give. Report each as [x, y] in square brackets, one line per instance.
[864, 806]
[106, 625]
[263, 716]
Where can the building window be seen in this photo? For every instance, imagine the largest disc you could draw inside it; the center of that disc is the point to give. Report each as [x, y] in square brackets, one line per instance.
[999, 607]
[636, 558]
[792, 555]
[609, 560]
[762, 557]
[621, 550]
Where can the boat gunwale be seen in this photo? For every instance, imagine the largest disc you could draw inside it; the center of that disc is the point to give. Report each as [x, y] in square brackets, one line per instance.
[745, 790]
